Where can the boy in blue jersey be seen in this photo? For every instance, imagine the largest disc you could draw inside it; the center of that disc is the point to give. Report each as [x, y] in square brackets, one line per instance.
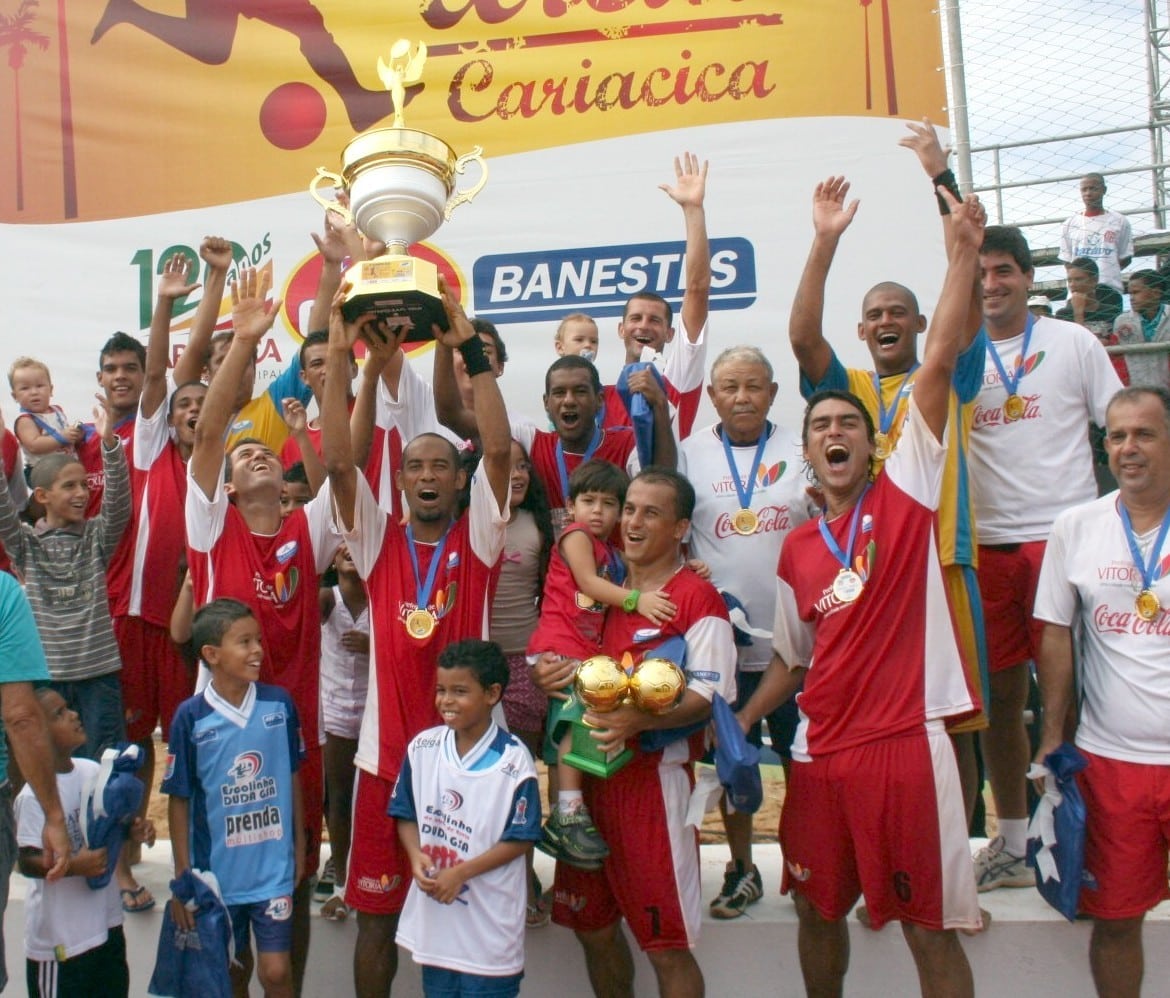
[232, 778]
[468, 810]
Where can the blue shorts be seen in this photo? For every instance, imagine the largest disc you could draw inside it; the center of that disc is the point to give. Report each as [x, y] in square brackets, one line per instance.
[782, 722]
[270, 921]
[439, 982]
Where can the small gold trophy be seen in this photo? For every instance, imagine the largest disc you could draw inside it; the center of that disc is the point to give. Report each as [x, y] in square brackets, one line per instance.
[401, 188]
[657, 686]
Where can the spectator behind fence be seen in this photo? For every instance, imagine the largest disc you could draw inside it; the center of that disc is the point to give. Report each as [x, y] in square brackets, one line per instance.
[1147, 322]
[1104, 236]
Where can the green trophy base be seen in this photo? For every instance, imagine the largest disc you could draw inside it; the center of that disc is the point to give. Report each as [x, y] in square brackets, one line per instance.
[404, 288]
[586, 756]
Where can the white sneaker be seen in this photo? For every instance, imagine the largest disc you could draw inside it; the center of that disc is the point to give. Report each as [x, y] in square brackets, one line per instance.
[996, 867]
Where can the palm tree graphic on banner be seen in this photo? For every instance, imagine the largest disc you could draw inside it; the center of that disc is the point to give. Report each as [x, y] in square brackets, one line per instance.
[17, 35]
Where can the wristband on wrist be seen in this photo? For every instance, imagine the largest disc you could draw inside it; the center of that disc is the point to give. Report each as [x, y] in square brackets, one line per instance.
[474, 357]
[630, 603]
[945, 179]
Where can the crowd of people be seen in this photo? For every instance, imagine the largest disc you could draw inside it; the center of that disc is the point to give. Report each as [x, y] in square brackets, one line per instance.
[370, 621]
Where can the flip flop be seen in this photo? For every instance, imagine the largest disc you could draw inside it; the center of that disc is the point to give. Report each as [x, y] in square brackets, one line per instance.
[132, 899]
[335, 909]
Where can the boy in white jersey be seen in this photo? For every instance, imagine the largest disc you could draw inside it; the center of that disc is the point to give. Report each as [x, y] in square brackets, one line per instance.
[476, 787]
[235, 805]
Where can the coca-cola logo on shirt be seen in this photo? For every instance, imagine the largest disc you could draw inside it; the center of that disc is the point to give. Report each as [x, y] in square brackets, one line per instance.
[1108, 620]
[771, 520]
[994, 415]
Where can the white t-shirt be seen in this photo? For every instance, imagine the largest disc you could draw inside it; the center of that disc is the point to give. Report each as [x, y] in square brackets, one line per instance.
[1089, 582]
[1026, 471]
[65, 913]
[745, 566]
[1105, 239]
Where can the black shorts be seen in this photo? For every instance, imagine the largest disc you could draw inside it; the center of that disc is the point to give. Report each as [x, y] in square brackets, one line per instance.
[100, 972]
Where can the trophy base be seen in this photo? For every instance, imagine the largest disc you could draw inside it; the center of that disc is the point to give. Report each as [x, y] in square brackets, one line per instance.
[402, 288]
[587, 757]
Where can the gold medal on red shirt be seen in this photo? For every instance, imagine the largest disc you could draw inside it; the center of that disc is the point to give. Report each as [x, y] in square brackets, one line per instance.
[420, 624]
[881, 444]
[1013, 407]
[744, 522]
[1147, 605]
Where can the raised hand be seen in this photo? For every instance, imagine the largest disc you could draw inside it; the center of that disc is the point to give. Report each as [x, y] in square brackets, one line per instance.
[292, 411]
[459, 329]
[173, 282]
[923, 139]
[252, 314]
[216, 252]
[336, 244]
[103, 422]
[690, 181]
[968, 218]
[830, 216]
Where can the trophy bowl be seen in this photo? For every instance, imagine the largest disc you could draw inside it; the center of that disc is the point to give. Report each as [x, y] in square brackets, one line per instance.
[657, 686]
[401, 186]
[601, 683]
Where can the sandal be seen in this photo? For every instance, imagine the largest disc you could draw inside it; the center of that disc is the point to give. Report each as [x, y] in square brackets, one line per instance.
[335, 909]
[138, 899]
[538, 915]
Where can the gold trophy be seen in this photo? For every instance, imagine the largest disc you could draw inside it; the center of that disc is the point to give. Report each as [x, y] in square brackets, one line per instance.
[401, 187]
[657, 686]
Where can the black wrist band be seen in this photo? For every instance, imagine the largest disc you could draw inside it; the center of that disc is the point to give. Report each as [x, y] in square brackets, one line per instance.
[945, 179]
[474, 358]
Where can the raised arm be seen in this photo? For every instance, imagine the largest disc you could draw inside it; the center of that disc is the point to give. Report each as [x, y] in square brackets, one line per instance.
[365, 408]
[341, 240]
[806, 323]
[252, 317]
[689, 192]
[292, 411]
[948, 326]
[491, 418]
[172, 285]
[923, 141]
[216, 252]
[448, 402]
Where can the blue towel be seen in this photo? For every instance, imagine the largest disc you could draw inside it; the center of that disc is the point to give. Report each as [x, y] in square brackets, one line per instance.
[641, 415]
[1056, 835]
[195, 964]
[110, 804]
[737, 761]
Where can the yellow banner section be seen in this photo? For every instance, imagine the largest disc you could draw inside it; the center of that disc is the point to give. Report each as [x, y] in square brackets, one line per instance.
[121, 108]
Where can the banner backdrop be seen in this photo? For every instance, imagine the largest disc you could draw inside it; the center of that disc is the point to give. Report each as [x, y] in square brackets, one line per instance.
[131, 130]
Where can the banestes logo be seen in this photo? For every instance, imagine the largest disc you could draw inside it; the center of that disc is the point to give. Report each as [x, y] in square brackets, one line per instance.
[550, 284]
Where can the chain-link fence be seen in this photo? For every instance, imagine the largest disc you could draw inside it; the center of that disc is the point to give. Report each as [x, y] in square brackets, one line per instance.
[1054, 91]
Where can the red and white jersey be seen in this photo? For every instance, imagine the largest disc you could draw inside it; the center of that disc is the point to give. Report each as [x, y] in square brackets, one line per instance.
[12, 467]
[683, 370]
[570, 622]
[617, 446]
[745, 566]
[143, 577]
[1089, 582]
[89, 453]
[276, 575]
[885, 664]
[1024, 472]
[401, 699]
[701, 621]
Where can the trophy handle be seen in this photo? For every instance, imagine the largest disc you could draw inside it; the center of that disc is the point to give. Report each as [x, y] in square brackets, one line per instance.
[329, 204]
[459, 197]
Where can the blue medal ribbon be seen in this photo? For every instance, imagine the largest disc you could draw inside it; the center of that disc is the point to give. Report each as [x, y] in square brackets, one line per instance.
[422, 590]
[1143, 565]
[560, 455]
[745, 492]
[846, 556]
[886, 416]
[1012, 383]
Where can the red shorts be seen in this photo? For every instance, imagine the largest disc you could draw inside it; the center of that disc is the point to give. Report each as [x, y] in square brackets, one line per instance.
[155, 679]
[312, 774]
[885, 820]
[379, 870]
[1007, 584]
[1127, 836]
[652, 874]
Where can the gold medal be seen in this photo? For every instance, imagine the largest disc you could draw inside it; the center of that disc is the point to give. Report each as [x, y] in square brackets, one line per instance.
[847, 586]
[881, 444]
[1013, 407]
[1147, 605]
[745, 522]
[420, 624]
